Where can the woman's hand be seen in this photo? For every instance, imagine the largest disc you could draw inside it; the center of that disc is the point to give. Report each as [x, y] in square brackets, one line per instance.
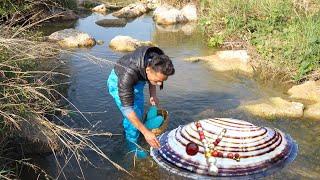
[154, 101]
[151, 139]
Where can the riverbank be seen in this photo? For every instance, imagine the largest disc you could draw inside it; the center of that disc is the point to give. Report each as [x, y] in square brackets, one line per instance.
[282, 36]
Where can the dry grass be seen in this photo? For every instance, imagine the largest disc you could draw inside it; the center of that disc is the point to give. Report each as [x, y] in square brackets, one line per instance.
[29, 96]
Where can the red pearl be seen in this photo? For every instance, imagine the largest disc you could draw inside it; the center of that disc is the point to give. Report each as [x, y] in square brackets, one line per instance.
[230, 155]
[192, 148]
[220, 154]
[201, 136]
[198, 125]
[215, 153]
[215, 143]
[201, 133]
[237, 156]
[218, 140]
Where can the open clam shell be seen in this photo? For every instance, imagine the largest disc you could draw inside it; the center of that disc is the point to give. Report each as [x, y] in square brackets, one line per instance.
[262, 150]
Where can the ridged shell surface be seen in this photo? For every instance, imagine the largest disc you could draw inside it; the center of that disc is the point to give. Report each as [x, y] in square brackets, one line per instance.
[260, 149]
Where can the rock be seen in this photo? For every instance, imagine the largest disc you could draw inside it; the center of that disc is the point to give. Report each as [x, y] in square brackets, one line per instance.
[68, 16]
[309, 91]
[100, 8]
[312, 111]
[153, 4]
[100, 42]
[186, 29]
[127, 43]
[223, 61]
[71, 38]
[132, 11]
[112, 22]
[167, 15]
[275, 107]
[190, 12]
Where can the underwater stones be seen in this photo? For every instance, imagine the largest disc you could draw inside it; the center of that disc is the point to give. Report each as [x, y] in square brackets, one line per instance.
[275, 107]
[112, 22]
[224, 61]
[127, 43]
[309, 91]
[261, 150]
[132, 11]
[72, 38]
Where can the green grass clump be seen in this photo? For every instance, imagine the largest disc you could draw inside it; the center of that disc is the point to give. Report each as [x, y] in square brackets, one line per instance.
[285, 33]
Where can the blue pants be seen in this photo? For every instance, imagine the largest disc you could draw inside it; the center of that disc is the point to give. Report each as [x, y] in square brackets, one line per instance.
[132, 133]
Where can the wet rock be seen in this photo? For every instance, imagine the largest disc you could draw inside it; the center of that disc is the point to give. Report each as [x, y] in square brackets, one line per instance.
[112, 22]
[312, 111]
[309, 91]
[71, 38]
[102, 8]
[132, 11]
[190, 12]
[127, 43]
[167, 15]
[275, 107]
[223, 61]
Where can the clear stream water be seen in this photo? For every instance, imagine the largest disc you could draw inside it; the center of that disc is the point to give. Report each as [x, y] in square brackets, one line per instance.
[194, 92]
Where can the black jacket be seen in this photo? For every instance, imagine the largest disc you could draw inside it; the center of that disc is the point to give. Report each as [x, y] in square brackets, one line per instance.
[130, 69]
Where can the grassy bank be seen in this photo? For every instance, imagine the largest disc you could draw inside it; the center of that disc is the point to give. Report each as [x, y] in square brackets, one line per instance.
[284, 35]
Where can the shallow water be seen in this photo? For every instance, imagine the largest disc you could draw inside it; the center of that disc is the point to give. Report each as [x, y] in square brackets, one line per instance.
[194, 92]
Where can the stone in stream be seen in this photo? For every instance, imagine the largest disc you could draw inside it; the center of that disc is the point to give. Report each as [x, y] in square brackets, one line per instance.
[275, 107]
[224, 61]
[132, 11]
[308, 91]
[167, 15]
[186, 29]
[100, 8]
[112, 22]
[127, 43]
[312, 111]
[72, 38]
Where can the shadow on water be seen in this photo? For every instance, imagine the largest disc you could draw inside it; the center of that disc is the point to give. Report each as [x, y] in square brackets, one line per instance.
[194, 92]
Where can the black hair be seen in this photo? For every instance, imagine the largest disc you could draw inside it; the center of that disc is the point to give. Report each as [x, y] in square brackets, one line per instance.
[162, 64]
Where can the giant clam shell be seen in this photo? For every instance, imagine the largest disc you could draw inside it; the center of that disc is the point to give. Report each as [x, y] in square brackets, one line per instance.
[262, 150]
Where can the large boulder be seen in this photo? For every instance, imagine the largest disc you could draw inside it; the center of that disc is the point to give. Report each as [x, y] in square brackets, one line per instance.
[312, 111]
[230, 60]
[186, 29]
[132, 11]
[71, 38]
[308, 91]
[102, 8]
[112, 22]
[153, 4]
[190, 12]
[127, 43]
[275, 107]
[168, 15]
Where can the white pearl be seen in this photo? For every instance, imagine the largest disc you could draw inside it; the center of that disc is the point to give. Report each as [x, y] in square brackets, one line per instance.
[204, 141]
[212, 160]
[200, 129]
[213, 169]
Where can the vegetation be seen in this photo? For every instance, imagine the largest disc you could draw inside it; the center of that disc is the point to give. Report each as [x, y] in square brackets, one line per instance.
[285, 34]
